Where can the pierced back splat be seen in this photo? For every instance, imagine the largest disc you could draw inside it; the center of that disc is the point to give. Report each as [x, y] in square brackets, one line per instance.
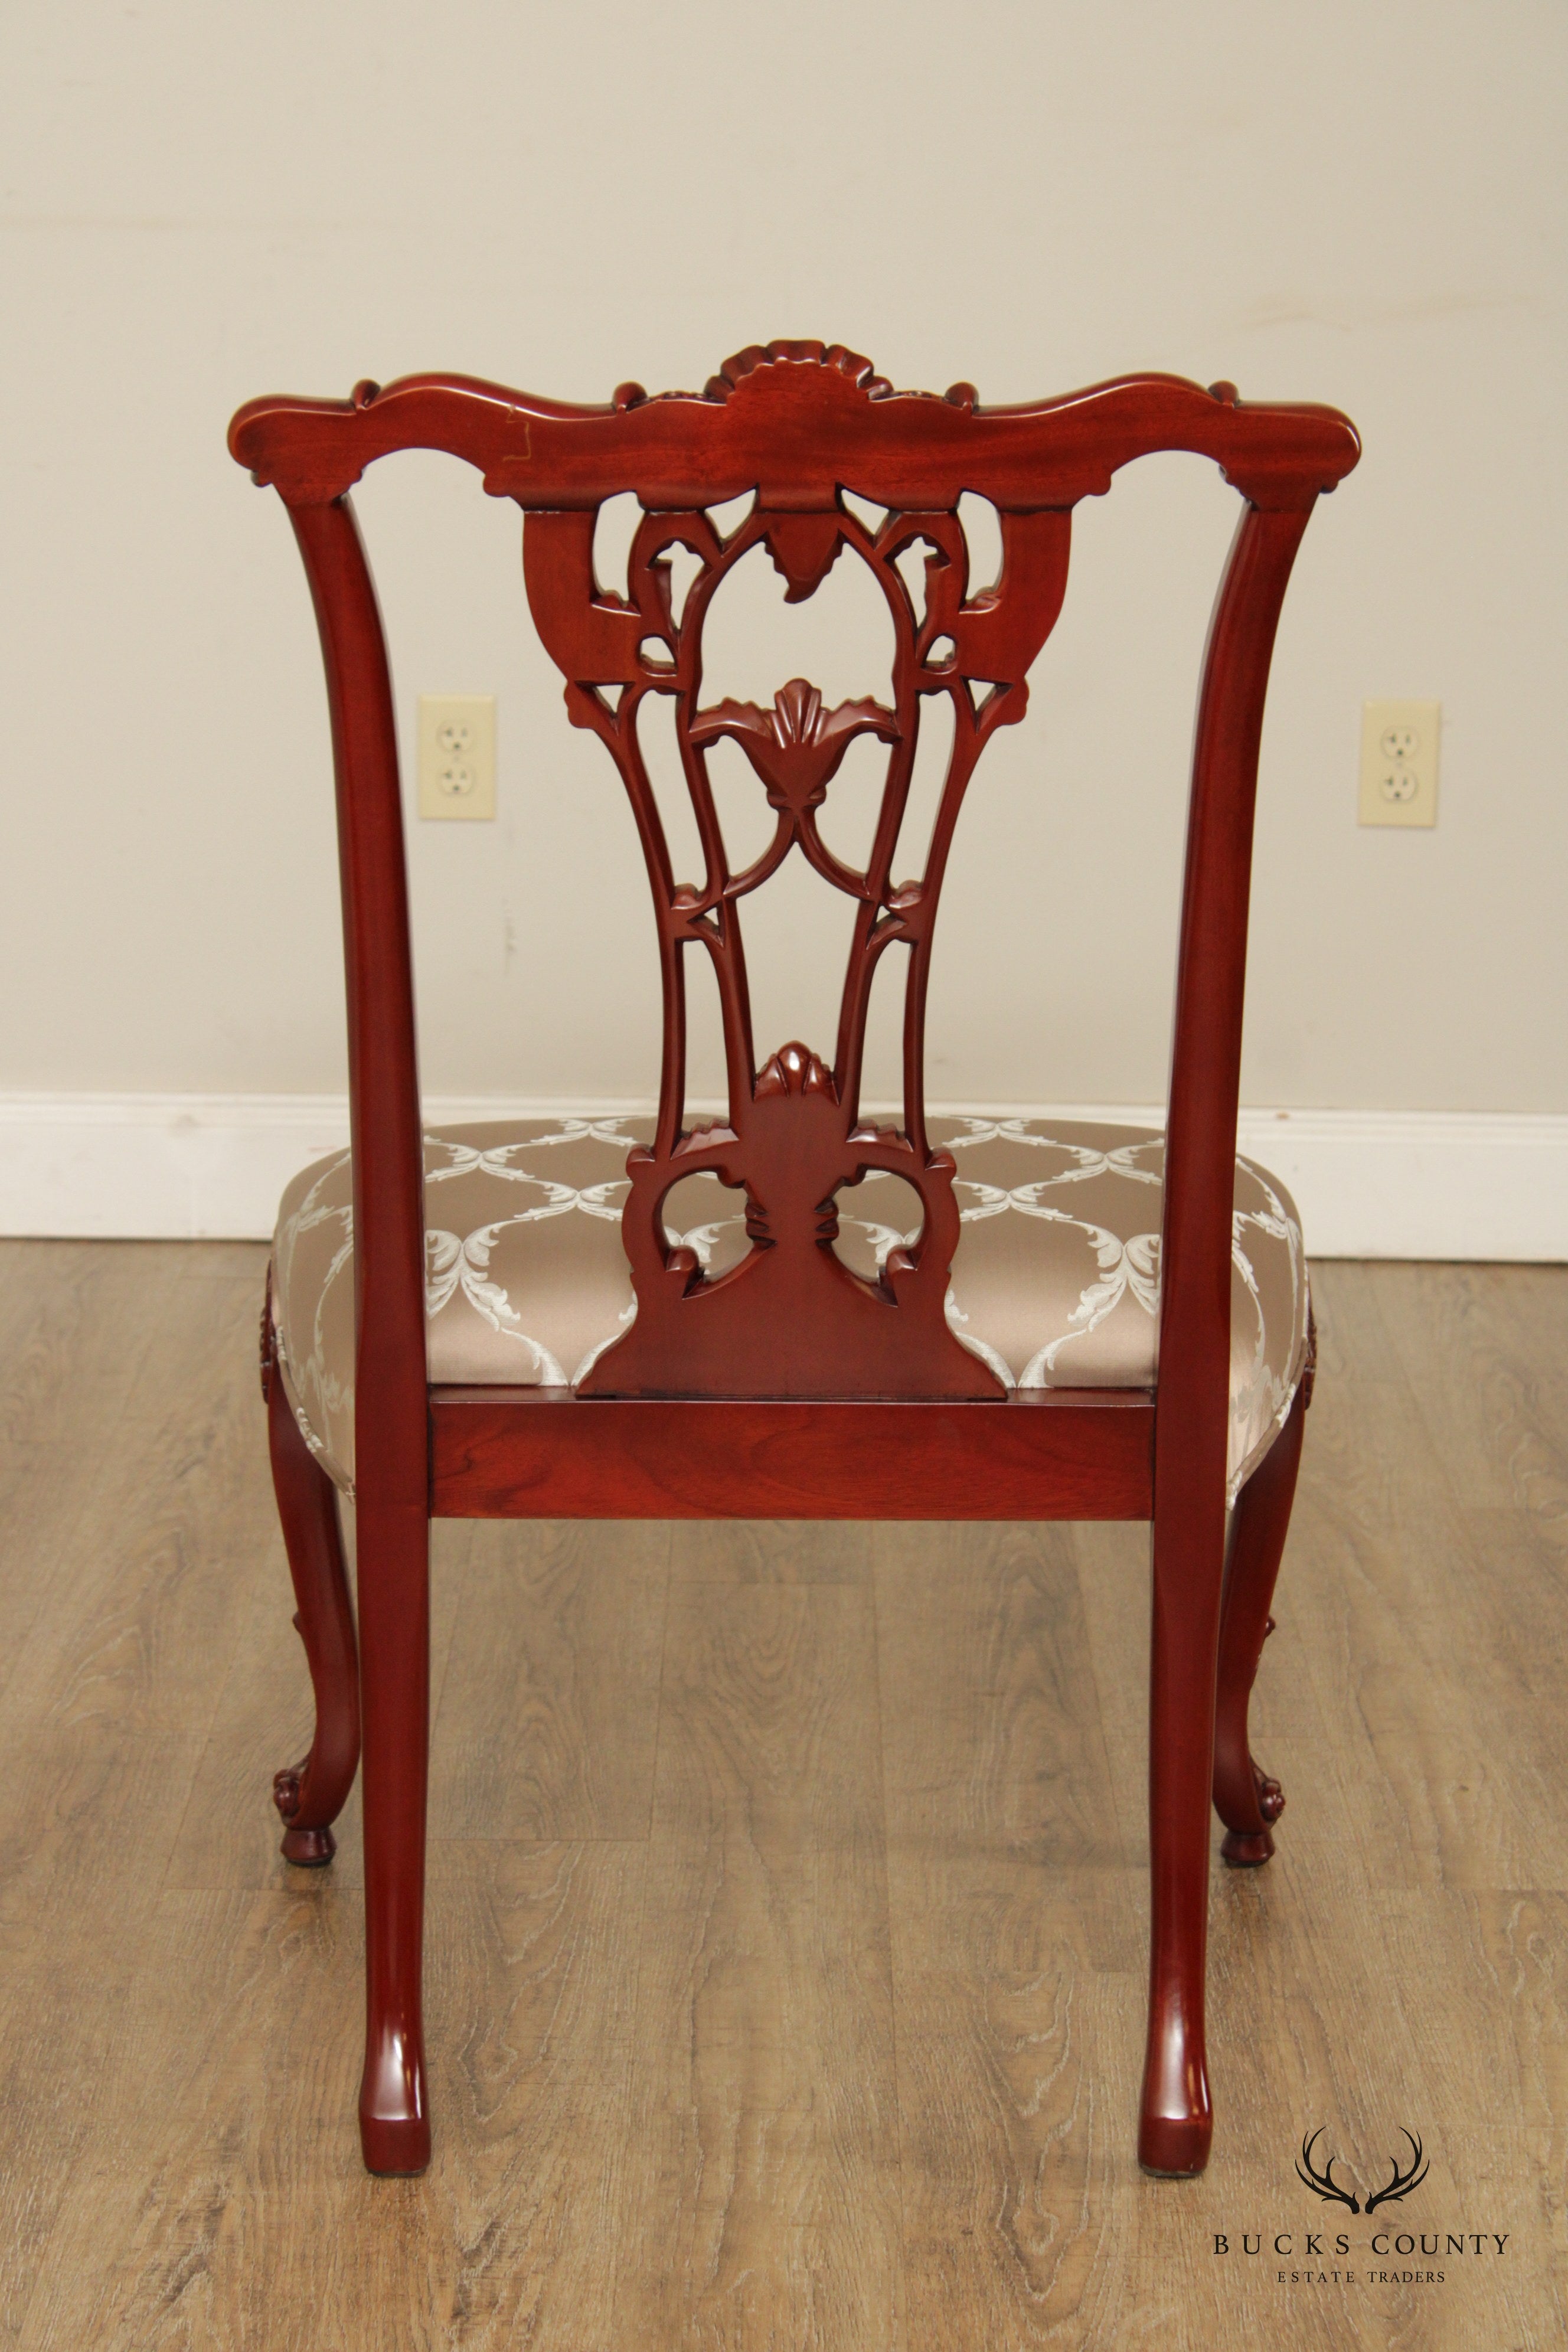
[791, 1319]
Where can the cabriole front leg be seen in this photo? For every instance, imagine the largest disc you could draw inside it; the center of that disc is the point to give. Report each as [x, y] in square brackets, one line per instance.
[1247, 1801]
[311, 1795]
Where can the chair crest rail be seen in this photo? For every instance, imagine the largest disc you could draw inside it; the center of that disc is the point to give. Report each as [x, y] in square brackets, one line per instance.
[791, 421]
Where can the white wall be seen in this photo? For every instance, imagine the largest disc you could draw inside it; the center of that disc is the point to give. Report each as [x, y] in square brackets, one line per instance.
[1350, 203]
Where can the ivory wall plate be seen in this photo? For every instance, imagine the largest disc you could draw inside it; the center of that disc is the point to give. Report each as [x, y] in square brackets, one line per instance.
[1399, 743]
[457, 755]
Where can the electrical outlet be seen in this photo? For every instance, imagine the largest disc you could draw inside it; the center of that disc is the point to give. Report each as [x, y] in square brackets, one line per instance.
[1399, 763]
[457, 755]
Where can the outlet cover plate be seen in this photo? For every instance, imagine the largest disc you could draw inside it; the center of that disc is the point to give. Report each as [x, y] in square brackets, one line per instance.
[456, 741]
[1399, 744]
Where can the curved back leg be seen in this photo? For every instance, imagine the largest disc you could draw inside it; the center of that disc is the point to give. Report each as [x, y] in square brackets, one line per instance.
[311, 1795]
[395, 1648]
[1175, 2117]
[1247, 1801]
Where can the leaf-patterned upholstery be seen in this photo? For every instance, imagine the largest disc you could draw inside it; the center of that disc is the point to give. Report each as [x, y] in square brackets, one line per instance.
[1055, 1280]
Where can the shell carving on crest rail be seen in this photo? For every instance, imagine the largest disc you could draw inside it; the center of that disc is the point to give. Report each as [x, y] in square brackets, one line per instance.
[801, 428]
[791, 1318]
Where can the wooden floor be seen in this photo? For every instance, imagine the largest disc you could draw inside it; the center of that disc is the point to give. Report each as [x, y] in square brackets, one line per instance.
[788, 1895]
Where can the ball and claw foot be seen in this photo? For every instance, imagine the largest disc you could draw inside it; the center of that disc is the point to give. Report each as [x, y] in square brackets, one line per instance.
[307, 1849]
[1246, 1849]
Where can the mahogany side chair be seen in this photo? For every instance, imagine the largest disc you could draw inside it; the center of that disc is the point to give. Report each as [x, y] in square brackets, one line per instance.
[501, 1322]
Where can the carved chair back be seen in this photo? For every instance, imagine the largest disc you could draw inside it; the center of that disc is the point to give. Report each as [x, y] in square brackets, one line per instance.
[800, 1387]
[796, 426]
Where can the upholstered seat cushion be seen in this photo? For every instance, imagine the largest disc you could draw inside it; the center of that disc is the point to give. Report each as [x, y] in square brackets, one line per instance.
[1054, 1282]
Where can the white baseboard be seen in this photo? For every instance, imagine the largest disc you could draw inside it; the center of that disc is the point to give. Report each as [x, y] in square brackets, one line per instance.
[1415, 1184]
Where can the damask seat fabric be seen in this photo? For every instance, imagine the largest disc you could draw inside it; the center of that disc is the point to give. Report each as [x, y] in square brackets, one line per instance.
[1054, 1282]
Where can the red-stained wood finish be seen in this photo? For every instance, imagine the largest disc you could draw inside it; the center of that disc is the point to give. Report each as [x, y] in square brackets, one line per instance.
[1247, 1801]
[311, 1796]
[791, 1318]
[1192, 1422]
[538, 1454]
[789, 1385]
[391, 1414]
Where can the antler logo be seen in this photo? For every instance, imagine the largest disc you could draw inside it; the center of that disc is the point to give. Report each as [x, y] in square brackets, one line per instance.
[1401, 2183]
[1323, 2184]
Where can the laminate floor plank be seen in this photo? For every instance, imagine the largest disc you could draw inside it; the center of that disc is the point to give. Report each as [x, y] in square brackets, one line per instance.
[141, 1598]
[1016, 1953]
[228, 2180]
[44, 1492]
[788, 1889]
[63, 1991]
[771, 1551]
[549, 1706]
[765, 2132]
[993, 1738]
[1112, 1564]
[1499, 1334]
[92, 1342]
[75, 1319]
[1480, 1975]
[1018, 2052]
[1514, 1613]
[1471, 1787]
[115, 1687]
[107, 1694]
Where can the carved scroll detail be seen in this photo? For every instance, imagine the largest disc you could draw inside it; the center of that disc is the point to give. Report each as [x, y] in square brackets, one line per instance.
[791, 1319]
